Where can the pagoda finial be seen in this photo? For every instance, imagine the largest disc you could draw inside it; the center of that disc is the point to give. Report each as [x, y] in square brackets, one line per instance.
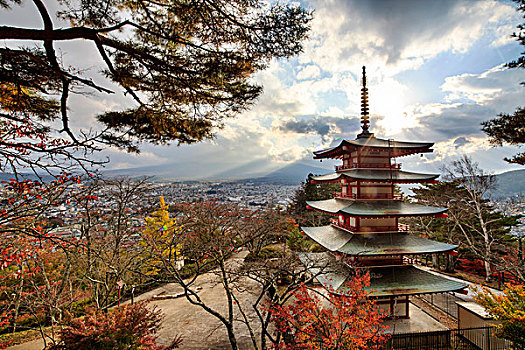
[365, 118]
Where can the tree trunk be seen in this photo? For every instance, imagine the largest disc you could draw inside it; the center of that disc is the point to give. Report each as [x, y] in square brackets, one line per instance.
[449, 263]
[488, 270]
[231, 337]
[435, 261]
[16, 307]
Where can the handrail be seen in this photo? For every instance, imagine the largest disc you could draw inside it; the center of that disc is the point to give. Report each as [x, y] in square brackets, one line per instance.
[375, 196]
[396, 166]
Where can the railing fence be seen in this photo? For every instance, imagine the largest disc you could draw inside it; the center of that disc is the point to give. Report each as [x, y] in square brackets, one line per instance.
[483, 338]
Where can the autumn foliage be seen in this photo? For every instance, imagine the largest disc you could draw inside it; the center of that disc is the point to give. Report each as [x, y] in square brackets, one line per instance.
[317, 319]
[509, 309]
[126, 327]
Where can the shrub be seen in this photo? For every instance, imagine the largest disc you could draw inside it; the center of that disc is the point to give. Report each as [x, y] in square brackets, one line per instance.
[297, 241]
[317, 248]
[126, 327]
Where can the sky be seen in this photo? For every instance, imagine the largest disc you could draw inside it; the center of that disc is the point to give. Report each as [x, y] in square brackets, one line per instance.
[435, 71]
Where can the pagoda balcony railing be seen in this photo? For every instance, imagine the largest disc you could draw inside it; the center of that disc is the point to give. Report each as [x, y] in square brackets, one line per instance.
[370, 229]
[403, 227]
[368, 165]
[345, 195]
[371, 197]
[335, 222]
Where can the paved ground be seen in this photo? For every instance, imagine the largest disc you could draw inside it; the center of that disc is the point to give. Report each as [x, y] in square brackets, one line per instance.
[419, 321]
[199, 329]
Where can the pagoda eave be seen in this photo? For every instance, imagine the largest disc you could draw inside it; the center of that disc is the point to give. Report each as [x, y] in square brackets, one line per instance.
[385, 208]
[398, 148]
[385, 281]
[374, 244]
[376, 176]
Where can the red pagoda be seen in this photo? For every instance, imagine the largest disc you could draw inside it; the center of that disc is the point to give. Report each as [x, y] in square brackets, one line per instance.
[365, 232]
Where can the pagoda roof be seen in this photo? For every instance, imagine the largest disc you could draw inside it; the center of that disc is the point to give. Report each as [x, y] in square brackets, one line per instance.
[394, 175]
[373, 244]
[384, 280]
[378, 208]
[399, 147]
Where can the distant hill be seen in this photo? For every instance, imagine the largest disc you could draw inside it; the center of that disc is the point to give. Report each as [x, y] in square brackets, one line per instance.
[293, 174]
[509, 184]
[33, 177]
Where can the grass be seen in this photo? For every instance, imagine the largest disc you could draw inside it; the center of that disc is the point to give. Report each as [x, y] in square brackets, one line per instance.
[23, 336]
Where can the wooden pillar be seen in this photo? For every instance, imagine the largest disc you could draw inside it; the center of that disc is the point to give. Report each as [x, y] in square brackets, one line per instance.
[407, 308]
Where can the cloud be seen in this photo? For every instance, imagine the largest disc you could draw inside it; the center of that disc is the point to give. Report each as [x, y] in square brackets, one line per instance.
[313, 99]
[307, 126]
[455, 124]
[460, 141]
[319, 125]
[400, 34]
[308, 72]
[498, 85]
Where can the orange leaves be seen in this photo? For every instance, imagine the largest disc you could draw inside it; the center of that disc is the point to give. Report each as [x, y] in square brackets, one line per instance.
[321, 319]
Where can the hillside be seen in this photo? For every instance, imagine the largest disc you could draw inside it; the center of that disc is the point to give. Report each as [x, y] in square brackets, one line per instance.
[510, 183]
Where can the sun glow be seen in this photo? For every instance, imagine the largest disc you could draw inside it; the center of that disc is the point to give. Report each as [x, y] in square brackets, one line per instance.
[388, 103]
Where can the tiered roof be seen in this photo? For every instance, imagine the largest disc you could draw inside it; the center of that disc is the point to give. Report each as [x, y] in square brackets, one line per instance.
[380, 208]
[377, 175]
[384, 280]
[372, 244]
[398, 148]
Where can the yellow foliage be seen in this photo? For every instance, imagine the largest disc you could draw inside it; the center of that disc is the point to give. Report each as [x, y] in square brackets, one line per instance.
[161, 236]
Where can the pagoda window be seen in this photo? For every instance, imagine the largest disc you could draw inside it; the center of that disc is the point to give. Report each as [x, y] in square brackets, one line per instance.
[351, 222]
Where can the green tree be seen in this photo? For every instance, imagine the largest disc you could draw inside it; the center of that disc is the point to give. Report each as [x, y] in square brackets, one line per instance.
[186, 65]
[472, 222]
[311, 192]
[510, 128]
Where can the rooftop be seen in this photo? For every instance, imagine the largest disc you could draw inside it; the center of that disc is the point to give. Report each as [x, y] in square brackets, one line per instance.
[377, 175]
[374, 208]
[370, 244]
[399, 148]
[384, 280]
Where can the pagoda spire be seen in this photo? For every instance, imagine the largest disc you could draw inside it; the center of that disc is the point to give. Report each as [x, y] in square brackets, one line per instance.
[365, 117]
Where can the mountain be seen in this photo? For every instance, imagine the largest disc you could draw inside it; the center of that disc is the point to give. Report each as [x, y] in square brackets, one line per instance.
[22, 176]
[509, 184]
[293, 173]
[257, 170]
